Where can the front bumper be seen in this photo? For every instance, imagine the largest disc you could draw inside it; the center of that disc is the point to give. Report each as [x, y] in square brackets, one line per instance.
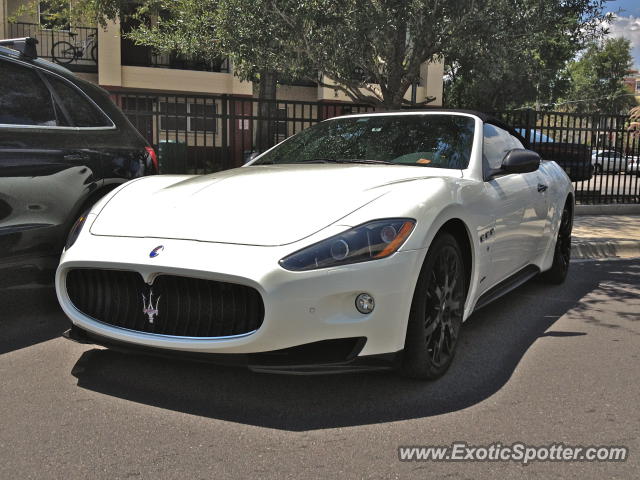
[300, 307]
[324, 357]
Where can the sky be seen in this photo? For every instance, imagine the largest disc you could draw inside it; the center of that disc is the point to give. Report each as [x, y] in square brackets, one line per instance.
[626, 24]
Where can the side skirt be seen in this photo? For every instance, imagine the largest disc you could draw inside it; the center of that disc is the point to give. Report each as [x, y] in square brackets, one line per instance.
[505, 286]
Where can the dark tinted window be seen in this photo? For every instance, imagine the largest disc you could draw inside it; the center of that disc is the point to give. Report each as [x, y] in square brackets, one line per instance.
[81, 111]
[442, 141]
[173, 116]
[193, 117]
[24, 98]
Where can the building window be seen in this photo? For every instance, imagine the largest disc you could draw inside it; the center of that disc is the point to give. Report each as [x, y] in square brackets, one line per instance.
[637, 86]
[190, 117]
[52, 16]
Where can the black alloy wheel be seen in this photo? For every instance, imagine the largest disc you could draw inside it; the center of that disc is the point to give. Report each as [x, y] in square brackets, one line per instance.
[436, 311]
[562, 253]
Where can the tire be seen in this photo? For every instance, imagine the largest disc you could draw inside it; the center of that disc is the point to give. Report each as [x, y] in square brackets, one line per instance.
[436, 313]
[63, 53]
[597, 169]
[562, 251]
[94, 53]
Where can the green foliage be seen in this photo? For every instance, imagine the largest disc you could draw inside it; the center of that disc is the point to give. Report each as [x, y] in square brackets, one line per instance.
[500, 52]
[519, 55]
[372, 50]
[597, 78]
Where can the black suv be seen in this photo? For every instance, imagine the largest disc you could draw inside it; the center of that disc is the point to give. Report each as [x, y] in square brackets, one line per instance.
[63, 145]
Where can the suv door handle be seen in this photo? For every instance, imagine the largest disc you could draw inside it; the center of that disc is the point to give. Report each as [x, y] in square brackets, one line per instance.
[542, 188]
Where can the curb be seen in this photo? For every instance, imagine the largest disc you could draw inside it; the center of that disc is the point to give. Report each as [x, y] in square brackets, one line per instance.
[609, 209]
[605, 249]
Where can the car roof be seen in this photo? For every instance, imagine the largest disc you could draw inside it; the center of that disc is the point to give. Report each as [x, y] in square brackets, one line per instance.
[53, 67]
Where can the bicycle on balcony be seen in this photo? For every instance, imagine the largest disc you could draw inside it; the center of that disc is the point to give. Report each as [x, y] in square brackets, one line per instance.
[64, 52]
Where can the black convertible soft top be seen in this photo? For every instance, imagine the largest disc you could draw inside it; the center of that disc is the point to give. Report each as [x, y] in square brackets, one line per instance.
[486, 118]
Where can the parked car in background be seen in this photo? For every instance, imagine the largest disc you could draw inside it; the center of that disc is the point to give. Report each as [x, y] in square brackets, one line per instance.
[535, 136]
[63, 145]
[362, 242]
[608, 161]
[633, 165]
[572, 157]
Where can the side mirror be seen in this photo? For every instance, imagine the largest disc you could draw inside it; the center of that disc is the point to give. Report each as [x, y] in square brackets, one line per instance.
[520, 160]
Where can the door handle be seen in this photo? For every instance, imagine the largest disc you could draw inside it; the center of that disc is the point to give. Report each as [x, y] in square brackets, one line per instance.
[542, 188]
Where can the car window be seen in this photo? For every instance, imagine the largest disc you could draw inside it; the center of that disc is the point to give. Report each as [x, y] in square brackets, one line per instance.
[81, 111]
[24, 98]
[441, 141]
[496, 143]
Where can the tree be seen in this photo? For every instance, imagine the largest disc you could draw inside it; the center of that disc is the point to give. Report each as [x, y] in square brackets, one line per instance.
[372, 50]
[597, 78]
[518, 58]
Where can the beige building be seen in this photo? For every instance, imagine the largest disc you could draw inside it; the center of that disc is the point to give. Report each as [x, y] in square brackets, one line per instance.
[180, 105]
[121, 65]
[632, 81]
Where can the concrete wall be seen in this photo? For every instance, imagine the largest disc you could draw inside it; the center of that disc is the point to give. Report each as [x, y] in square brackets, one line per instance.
[296, 92]
[3, 19]
[111, 72]
[182, 81]
[430, 85]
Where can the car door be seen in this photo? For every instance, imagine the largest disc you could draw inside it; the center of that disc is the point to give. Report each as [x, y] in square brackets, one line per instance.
[43, 167]
[518, 204]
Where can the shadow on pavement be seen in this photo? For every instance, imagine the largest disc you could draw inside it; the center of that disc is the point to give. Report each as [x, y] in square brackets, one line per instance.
[29, 315]
[494, 341]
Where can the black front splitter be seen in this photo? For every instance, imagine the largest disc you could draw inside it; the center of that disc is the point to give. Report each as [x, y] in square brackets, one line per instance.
[317, 358]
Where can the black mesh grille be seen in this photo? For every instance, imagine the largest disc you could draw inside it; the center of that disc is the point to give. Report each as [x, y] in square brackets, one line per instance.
[188, 307]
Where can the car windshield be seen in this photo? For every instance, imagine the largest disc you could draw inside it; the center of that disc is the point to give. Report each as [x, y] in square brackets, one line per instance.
[432, 140]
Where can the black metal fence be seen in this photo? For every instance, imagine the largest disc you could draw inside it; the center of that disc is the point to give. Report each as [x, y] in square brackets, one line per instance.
[601, 153]
[207, 133]
[76, 47]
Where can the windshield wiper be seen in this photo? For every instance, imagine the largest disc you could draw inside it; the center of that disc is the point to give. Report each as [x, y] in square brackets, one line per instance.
[347, 160]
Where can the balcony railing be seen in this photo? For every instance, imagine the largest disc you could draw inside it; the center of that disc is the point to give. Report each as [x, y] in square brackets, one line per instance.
[75, 48]
[143, 56]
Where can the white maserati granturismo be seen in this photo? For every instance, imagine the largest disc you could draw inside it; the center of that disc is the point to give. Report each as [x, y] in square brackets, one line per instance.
[362, 242]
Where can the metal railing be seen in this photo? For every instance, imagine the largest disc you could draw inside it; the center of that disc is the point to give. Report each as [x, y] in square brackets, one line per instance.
[144, 56]
[76, 48]
[600, 152]
[208, 133]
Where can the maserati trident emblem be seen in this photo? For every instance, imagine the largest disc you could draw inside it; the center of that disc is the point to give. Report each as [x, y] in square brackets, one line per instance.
[149, 309]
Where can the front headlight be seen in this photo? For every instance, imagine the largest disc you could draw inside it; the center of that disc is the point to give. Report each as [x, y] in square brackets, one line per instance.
[369, 241]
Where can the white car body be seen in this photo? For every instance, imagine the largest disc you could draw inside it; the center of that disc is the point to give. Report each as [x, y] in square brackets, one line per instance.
[236, 225]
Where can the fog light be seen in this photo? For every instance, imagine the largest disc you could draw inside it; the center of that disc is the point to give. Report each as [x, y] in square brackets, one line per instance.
[365, 303]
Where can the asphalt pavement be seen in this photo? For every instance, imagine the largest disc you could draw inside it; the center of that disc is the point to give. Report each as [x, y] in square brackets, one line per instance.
[542, 365]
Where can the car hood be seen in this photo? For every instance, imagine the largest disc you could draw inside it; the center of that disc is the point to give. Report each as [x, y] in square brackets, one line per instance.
[260, 205]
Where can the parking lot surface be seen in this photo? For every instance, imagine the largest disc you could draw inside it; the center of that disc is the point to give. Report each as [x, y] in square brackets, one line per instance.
[542, 365]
